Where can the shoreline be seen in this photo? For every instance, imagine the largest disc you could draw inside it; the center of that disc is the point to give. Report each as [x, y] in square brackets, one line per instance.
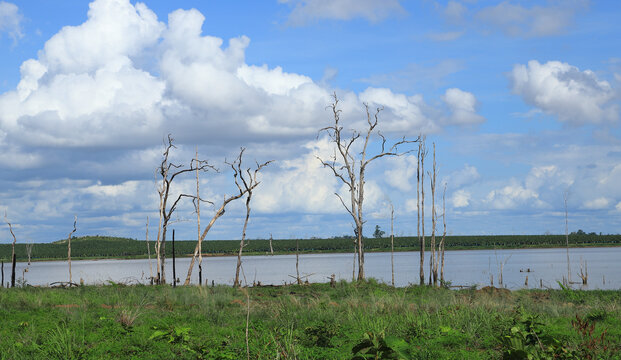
[276, 253]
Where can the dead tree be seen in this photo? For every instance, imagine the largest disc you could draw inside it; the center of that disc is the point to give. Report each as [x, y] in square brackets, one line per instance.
[75, 221]
[443, 235]
[13, 257]
[149, 252]
[169, 171]
[29, 246]
[433, 266]
[271, 248]
[565, 197]
[350, 169]
[422, 153]
[219, 212]
[198, 223]
[392, 243]
[246, 181]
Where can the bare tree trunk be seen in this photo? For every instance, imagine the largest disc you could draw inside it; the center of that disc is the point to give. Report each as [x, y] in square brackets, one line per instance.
[443, 234]
[158, 243]
[565, 196]
[297, 261]
[422, 202]
[75, 220]
[434, 253]
[353, 270]
[29, 246]
[271, 248]
[174, 261]
[2, 283]
[198, 222]
[420, 240]
[149, 252]
[392, 243]
[241, 243]
[13, 257]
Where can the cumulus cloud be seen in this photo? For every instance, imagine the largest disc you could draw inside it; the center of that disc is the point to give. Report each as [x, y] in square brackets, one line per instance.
[597, 204]
[401, 170]
[536, 21]
[89, 87]
[461, 198]
[573, 96]
[463, 106]
[512, 197]
[10, 20]
[308, 11]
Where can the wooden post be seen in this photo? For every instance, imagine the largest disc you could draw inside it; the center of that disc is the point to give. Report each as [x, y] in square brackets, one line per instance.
[13, 272]
[173, 256]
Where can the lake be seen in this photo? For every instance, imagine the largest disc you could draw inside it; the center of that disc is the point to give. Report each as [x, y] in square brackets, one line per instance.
[543, 267]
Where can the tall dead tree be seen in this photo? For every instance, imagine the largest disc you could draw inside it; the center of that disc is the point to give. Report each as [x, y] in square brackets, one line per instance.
[392, 243]
[75, 221]
[13, 257]
[433, 266]
[168, 172]
[246, 181]
[29, 246]
[198, 223]
[443, 234]
[218, 213]
[350, 168]
[422, 153]
[149, 252]
[565, 197]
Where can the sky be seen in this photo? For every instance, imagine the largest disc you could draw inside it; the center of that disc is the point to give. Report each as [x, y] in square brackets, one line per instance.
[521, 98]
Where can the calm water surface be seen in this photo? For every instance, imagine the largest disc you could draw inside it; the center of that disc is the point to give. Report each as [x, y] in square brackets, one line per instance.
[468, 267]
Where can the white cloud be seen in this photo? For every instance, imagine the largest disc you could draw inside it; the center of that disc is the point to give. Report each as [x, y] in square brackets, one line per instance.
[10, 20]
[517, 20]
[557, 88]
[301, 185]
[402, 169]
[464, 176]
[463, 106]
[597, 204]
[461, 198]
[512, 197]
[308, 11]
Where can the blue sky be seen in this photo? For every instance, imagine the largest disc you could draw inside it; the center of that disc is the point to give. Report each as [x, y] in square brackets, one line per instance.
[521, 98]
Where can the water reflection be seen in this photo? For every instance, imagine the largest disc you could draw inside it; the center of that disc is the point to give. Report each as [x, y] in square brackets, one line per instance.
[543, 267]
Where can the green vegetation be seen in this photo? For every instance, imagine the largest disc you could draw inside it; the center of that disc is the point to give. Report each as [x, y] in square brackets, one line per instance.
[115, 247]
[363, 320]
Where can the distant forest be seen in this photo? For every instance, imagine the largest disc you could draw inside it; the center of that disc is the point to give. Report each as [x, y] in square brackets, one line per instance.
[116, 247]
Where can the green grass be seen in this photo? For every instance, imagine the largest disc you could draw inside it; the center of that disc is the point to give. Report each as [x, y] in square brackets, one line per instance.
[90, 247]
[303, 322]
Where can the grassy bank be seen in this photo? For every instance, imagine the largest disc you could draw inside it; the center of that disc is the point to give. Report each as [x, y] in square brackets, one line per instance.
[307, 322]
[99, 247]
